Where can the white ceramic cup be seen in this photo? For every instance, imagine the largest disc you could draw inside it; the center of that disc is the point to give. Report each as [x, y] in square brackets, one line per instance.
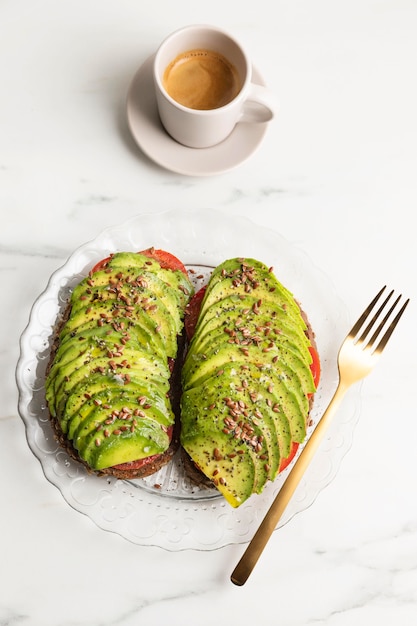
[204, 128]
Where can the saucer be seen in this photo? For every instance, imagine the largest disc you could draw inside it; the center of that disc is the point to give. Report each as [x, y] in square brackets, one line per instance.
[154, 141]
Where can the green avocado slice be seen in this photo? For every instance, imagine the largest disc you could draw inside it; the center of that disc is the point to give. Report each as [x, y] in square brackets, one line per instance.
[157, 320]
[147, 290]
[236, 315]
[88, 345]
[141, 328]
[106, 393]
[137, 366]
[232, 413]
[267, 401]
[232, 468]
[243, 278]
[104, 389]
[198, 367]
[123, 330]
[250, 335]
[247, 309]
[121, 446]
[131, 262]
[98, 354]
[104, 416]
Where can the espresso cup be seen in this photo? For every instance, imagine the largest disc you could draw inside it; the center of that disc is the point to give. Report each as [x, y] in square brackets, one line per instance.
[203, 86]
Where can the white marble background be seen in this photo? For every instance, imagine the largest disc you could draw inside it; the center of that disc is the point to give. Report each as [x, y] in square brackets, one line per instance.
[336, 174]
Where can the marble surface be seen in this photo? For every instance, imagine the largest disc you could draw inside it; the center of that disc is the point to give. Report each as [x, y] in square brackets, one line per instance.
[335, 175]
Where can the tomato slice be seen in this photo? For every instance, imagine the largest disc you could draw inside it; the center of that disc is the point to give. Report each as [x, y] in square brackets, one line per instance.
[165, 259]
[285, 462]
[135, 465]
[100, 265]
[315, 366]
[193, 311]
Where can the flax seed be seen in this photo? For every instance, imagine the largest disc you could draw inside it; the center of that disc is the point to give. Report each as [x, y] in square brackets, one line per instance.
[217, 454]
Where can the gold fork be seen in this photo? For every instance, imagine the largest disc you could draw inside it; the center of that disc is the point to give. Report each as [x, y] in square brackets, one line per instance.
[357, 357]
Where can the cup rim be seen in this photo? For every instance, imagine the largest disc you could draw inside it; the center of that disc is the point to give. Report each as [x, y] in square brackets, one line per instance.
[178, 105]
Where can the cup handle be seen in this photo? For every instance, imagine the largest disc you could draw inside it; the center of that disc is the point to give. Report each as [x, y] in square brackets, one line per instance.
[260, 105]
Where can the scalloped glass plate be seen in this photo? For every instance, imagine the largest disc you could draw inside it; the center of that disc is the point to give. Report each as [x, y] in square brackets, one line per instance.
[165, 510]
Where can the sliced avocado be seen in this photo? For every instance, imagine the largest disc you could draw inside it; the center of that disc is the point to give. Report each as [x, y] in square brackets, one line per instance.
[247, 335]
[132, 262]
[155, 308]
[287, 389]
[250, 353]
[109, 396]
[139, 366]
[144, 395]
[235, 314]
[103, 416]
[260, 394]
[117, 381]
[198, 367]
[147, 290]
[97, 356]
[91, 412]
[123, 329]
[230, 467]
[103, 340]
[246, 277]
[156, 319]
[84, 397]
[121, 446]
[95, 343]
[235, 414]
[125, 261]
[290, 407]
[142, 328]
[249, 308]
[138, 277]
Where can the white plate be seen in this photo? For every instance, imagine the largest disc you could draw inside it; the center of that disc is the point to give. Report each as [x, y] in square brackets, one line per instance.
[165, 510]
[154, 141]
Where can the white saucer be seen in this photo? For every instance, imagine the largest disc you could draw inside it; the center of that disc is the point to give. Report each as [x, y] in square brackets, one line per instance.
[154, 141]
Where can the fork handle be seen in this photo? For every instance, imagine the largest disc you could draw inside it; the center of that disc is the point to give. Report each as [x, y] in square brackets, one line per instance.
[258, 542]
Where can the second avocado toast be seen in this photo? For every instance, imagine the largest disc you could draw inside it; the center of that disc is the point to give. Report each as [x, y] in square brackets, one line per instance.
[248, 380]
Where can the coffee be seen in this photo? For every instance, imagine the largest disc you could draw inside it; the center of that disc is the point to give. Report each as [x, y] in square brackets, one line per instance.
[201, 79]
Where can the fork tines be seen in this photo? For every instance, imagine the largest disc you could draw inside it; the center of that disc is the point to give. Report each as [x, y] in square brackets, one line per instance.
[387, 324]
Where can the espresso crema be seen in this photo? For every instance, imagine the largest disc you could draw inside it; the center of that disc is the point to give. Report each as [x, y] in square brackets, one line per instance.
[201, 79]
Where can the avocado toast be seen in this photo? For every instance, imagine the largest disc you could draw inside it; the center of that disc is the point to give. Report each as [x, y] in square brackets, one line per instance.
[248, 380]
[112, 381]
